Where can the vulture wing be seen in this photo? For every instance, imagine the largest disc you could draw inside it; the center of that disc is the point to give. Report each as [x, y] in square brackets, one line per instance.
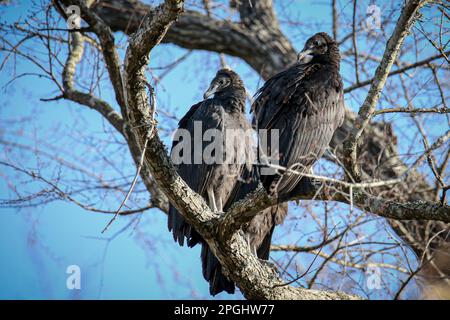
[305, 103]
[196, 175]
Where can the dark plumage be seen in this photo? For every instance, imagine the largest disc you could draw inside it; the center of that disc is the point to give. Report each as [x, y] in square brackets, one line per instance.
[215, 182]
[305, 103]
[258, 233]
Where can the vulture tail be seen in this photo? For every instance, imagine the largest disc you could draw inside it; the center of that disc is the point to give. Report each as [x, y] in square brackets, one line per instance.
[212, 272]
[181, 230]
[263, 251]
[175, 223]
[279, 213]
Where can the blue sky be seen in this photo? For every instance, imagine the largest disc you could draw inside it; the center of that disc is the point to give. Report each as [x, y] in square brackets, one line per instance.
[137, 258]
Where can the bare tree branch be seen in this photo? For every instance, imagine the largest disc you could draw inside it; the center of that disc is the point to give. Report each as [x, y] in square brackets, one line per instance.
[108, 47]
[263, 46]
[401, 70]
[404, 23]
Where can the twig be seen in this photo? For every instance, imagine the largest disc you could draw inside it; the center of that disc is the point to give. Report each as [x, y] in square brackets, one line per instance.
[310, 265]
[138, 171]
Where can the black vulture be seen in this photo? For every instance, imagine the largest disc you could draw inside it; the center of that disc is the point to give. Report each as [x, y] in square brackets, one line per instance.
[305, 103]
[215, 181]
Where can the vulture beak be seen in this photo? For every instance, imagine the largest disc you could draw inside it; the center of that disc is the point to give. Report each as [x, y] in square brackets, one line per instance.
[211, 90]
[304, 55]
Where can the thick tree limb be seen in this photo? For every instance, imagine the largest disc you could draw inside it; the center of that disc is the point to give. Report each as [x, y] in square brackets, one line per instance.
[263, 46]
[243, 211]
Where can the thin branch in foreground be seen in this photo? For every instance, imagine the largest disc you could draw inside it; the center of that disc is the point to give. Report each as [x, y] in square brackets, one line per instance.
[411, 110]
[406, 20]
[138, 171]
[395, 72]
[311, 264]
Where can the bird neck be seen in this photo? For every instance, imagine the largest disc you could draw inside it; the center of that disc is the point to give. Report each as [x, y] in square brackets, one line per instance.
[332, 57]
[232, 98]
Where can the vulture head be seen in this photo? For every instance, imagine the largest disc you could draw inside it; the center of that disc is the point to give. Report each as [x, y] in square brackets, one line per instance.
[225, 83]
[320, 47]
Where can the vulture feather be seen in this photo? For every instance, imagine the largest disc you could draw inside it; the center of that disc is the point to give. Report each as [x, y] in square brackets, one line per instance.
[258, 233]
[215, 182]
[305, 103]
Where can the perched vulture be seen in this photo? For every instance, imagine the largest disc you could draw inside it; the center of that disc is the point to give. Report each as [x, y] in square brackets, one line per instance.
[305, 103]
[214, 181]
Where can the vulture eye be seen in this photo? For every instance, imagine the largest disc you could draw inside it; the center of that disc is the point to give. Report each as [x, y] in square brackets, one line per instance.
[316, 43]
